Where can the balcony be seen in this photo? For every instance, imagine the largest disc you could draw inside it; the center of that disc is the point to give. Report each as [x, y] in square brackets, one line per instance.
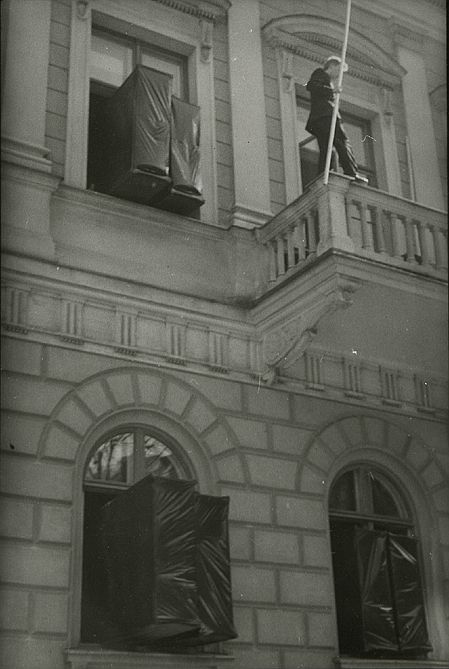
[344, 245]
[356, 220]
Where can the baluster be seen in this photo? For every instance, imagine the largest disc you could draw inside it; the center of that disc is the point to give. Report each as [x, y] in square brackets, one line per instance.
[387, 225]
[425, 260]
[348, 216]
[290, 247]
[378, 231]
[298, 237]
[272, 260]
[280, 255]
[367, 242]
[439, 253]
[395, 235]
[311, 237]
[410, 240]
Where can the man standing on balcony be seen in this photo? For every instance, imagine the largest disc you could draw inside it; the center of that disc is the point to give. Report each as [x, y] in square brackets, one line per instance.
[322, 92]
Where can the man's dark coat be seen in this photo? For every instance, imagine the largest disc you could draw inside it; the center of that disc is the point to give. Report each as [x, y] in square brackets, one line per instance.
[321, 96]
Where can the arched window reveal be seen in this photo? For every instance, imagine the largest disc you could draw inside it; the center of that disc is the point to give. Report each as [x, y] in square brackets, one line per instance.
[378, 591]
[156, 572]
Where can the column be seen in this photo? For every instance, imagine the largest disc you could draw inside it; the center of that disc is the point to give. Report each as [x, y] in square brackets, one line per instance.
[25, 74]
[418, 115]
[249, 133]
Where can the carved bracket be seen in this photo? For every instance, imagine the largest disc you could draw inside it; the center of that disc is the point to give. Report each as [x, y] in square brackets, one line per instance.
[284, 345]
[287, 70]
[82, 9]
[206, 40]
[386, 104]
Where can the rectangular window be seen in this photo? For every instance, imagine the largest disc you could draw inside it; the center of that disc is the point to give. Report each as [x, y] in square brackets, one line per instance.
[144, 134]
[359, 133]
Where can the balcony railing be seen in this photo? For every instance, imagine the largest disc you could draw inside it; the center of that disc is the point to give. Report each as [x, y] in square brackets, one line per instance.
[359, 220]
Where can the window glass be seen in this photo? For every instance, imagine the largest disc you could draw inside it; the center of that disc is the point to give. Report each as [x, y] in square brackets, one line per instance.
[383, 502]
[158, 458]
[164, 65]
[357, 139]
[359, 133]
[111, 61]
[112, 460]
[342, 495]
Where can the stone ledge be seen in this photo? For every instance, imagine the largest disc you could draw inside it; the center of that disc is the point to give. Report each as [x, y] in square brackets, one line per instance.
[372, 663]
[85, 658]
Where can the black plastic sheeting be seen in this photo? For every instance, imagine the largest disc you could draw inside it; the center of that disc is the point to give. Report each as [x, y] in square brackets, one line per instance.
[407, 594]
[137, 133]
[212, 572]
[378, 592]
[392, 601]
[185, 147]
[379, 630]
[149, 540]
[166, 553]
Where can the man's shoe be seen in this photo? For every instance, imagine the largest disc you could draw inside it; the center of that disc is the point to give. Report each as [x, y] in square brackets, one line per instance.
[359, 178]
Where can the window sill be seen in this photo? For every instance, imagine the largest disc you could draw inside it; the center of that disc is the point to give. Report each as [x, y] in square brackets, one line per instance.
[90, 658]
[373, 663]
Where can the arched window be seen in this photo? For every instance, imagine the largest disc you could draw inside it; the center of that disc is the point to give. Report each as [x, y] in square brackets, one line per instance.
[151, 547]
[375, 554]
[120, 460]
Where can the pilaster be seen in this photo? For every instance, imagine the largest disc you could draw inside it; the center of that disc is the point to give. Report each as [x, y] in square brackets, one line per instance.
[77, 121]
[249, 134]
[287, 100]
[25, 74]
[420, 130]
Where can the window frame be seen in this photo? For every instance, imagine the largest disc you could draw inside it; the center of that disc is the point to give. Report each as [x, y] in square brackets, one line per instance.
[173, 31]
[181, 466]
[175, 434]
[405, 525]
[353, 117]
[138, 47]
[113, 488]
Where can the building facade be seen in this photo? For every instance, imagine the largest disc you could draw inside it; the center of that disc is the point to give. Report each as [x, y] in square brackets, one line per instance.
[279, 340]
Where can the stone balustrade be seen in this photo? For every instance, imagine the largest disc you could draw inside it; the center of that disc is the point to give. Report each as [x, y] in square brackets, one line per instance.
[359, 220]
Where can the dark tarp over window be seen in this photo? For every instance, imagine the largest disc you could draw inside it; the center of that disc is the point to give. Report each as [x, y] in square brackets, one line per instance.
[185, 194]
[379, 632]
[185, 146]
[167, 563]
[407, 594]
[213, 572]
[378, 593]
[137, 136]
[148, 535]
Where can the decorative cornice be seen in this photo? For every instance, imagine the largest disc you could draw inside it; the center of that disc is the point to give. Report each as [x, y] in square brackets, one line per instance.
[402, 31]
[204, 9]
[312, 37]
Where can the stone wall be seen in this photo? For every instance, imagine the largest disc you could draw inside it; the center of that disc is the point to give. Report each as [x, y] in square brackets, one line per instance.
[273, 452]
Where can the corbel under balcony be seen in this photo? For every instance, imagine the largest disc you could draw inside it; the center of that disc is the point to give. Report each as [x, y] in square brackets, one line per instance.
[287, 337]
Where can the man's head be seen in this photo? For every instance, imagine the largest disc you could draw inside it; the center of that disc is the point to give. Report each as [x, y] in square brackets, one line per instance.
[332, 67]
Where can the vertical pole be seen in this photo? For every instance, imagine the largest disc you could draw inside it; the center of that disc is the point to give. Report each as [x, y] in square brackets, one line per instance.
[337, 98]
